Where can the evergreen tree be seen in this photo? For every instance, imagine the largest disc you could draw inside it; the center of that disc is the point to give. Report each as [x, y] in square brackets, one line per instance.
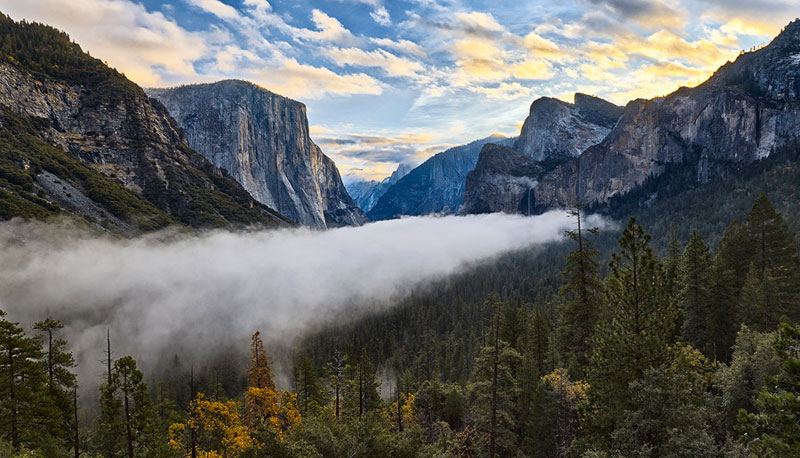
[310, 396]
[580, 300]
[495, 392]
[336, 371]
[773, 430]
[775, 265]
[28, 417]
[127, 419]
[60, 381]
[695, 296]
[633, 340]
[361, 394]
[728, 274]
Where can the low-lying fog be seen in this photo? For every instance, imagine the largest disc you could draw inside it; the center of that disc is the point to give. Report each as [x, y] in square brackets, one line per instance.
[157, 291]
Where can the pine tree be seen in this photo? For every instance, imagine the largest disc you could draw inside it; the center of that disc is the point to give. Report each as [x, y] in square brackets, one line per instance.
[776, 265]
[728, 275]
[28, 416]
[361, 389]
[634, 339]
[60, 381]
[310, 396]
[773, 430]
[127, 419]
[336, 371]
[695, 296]
[495, 392]
[580, 300]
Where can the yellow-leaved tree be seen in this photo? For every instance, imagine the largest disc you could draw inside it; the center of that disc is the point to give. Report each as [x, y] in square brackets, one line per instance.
[266, 407]
[214, 430]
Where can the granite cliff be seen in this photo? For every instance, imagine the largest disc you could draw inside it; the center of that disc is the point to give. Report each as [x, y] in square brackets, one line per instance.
[262, 140]
[742, 113]
[81, 138]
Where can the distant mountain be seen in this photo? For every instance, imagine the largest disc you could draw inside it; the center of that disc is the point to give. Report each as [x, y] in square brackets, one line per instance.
[744, 112]
[553, 132]
[366, 193]
[436, 185]
[262, 139]
[77, 137]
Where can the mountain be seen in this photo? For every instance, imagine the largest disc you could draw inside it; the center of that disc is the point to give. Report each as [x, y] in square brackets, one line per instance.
[436, 185]
[79, 138]
[366, 193]
[555, 128]
[554, 132]
[262, 140]
[502, 181]
[746, 110]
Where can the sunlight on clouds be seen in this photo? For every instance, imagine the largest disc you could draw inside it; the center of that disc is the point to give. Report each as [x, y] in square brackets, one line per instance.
[296, 80]
[388, 62]
[148, 47]
[216, 8]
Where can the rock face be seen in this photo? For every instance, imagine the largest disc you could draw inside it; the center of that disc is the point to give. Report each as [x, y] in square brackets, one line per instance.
[366, 193]
[92, 113]
[559, 129]
[554, 132]
[262, 140]
[436, 185]
[742, 113]
[502, 181]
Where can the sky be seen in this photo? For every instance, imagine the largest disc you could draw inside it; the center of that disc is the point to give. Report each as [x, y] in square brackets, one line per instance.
[391, 81]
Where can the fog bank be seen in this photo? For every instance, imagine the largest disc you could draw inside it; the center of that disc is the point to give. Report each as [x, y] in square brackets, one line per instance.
[199, 290]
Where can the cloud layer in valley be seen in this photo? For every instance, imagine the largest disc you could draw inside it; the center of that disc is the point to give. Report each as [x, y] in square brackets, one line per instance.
[176, 291]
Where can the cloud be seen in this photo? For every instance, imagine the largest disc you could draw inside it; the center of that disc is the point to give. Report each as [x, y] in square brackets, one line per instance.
[381, 16]
[217, 8]
[649, 13]
[388, 62]
[329, 30]
[296, 80]
[191, 294]
[147, 46]
[402, 46]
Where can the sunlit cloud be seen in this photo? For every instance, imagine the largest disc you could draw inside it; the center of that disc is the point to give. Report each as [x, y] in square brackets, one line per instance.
[448, 67]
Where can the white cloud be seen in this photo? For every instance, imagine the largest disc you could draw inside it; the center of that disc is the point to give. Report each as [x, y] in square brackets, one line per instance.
[301, 81]
[381, 16]
[388, 62]
[148, 47]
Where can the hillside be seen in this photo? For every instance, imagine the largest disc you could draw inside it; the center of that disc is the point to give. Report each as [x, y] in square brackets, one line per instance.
[120, 159]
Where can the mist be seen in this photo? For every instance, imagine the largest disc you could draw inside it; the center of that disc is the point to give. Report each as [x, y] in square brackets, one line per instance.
[194, 291]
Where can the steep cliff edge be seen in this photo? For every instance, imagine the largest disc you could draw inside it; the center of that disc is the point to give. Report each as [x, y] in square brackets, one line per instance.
[555, 128]
[554, 132]
[84, 139]
[746, 110]
[262, 140]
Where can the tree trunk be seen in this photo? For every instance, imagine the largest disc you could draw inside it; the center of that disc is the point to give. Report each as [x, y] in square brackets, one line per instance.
[75, 421]
[128, 433]
[12, 398]
[494, 388]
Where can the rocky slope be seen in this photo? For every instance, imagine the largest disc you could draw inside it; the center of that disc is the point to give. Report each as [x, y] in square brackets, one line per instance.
[436, 185]
[555, 128]
[553, 132]
[365, 193]
[262, 139]
[747, 109]
[503, 181]
[119, 157]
